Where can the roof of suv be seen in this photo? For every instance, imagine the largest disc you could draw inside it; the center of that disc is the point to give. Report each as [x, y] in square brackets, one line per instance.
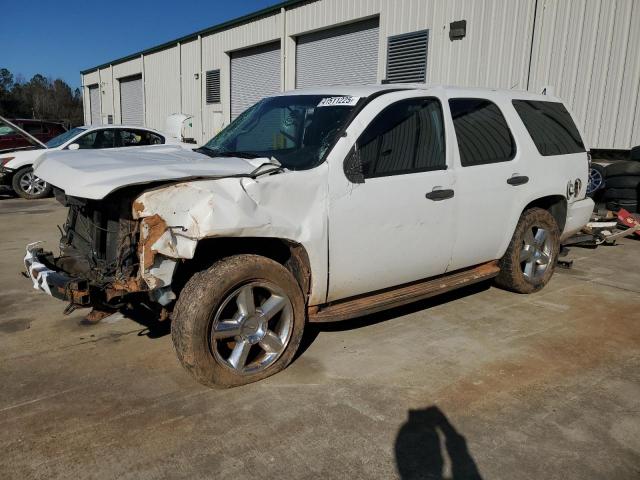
[453, 91]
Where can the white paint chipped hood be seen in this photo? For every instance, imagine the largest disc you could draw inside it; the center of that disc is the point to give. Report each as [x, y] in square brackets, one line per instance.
[96, 173]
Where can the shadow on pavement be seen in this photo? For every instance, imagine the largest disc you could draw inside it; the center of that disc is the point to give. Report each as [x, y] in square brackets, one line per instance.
[154, 328]
[419, 451]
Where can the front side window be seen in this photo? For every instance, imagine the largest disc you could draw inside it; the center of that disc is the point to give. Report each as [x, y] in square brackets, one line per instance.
[482, 131]
[551, 127]
[97, 139]
[406, 137]
[297, 130]
[138, 138]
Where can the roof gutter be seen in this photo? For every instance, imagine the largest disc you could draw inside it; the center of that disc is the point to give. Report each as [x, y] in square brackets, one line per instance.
[207, 31]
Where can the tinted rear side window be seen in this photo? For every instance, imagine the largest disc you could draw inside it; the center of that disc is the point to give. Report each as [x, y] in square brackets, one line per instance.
[482, 132]
[550, 126]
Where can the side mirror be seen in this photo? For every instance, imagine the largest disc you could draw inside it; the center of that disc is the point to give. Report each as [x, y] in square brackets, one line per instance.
[353, 167]
[635, 153]
[73, 146]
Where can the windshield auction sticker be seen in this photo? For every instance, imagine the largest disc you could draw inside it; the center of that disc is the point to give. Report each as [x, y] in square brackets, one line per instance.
[338, 101]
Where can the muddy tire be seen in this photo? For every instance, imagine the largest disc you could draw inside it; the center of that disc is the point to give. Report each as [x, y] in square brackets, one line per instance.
[239, 321]
[29, 186]
[530, 259]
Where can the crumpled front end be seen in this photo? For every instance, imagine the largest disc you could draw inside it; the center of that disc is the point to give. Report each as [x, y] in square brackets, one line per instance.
[98, 261]
[132, 241]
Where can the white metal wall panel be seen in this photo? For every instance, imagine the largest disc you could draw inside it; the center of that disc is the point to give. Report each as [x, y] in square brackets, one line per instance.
[346, 55]
[106, 93]
[494, 53]
[215, 48]
[128, 68]
[94, 104]
[190, 86]
[131, 101]
[255, 74]
[162, 86]
[587, 52]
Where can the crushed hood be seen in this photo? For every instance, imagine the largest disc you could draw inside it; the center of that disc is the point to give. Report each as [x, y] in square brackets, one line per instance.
[96, 173]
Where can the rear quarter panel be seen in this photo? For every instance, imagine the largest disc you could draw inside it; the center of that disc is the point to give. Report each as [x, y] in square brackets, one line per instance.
[548, 175]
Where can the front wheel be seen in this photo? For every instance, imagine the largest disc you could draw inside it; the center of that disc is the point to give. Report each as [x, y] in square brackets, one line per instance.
[530, 260]
[239, 321]
[26, 184]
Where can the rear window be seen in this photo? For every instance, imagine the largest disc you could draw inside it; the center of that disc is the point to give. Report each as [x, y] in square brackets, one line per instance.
[551, 127]
[483, 134]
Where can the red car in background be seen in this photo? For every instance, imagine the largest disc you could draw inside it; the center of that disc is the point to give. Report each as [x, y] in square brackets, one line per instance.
[41, 129]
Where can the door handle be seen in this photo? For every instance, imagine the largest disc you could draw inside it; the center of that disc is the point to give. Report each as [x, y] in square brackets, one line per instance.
[517, 180]
[439, 194]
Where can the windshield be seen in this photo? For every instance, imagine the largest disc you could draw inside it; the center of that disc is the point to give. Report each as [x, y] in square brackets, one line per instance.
[63, 137]
[296, 130]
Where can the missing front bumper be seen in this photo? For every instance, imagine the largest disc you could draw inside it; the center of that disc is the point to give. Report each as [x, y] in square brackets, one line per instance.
[52, 282]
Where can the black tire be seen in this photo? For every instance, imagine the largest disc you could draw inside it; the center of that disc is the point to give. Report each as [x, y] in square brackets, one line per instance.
[623, 168]
[628, 205]
[207, 294]
[24, 174]
[627, 181]
[621, 194]
[512, 266]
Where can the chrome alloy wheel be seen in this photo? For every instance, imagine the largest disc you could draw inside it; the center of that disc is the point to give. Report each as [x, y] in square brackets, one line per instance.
[252, 328]
[31, 184]
[535, 255]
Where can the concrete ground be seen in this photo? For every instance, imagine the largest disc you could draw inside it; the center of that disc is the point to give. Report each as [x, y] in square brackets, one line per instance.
[479, 384]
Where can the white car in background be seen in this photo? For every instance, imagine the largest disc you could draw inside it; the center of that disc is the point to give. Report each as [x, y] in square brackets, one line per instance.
[16, 167]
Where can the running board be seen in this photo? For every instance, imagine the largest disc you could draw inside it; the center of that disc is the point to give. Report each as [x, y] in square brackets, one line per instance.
[397, 296]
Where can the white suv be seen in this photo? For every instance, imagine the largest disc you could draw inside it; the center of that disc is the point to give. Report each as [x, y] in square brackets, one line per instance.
[316, 206]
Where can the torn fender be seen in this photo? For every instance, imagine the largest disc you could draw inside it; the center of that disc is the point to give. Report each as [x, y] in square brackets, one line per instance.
[174, 218]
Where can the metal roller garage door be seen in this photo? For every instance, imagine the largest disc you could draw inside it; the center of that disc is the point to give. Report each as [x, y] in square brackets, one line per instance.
[94, 104]
[345, 55]
[131, 110]
[255, 74]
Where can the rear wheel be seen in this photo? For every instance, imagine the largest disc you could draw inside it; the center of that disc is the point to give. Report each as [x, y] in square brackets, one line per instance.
[239, 321]
[530, 259]
[26, 184]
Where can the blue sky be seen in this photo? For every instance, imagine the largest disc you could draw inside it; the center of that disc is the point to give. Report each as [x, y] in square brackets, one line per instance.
[60, 38]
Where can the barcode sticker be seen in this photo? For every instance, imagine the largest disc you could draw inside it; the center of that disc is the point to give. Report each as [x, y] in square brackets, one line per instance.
[338, 101]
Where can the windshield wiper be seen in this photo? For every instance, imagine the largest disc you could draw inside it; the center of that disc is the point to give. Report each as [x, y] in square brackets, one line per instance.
[247, 155]
[216, 153]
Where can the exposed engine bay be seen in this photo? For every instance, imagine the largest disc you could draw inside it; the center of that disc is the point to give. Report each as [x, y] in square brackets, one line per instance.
[99, 239]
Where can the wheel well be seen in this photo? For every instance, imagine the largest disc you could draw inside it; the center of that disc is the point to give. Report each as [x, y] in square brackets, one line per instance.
[556, 205]
[291, 255]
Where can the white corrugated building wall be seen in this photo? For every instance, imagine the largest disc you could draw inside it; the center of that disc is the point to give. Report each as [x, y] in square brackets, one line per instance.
[585, 51]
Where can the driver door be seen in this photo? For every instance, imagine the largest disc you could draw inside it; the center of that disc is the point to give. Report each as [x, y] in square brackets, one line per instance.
[397, 226]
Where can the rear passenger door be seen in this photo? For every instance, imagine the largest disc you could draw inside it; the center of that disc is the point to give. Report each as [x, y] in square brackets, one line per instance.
[397, 226]
[490, 180]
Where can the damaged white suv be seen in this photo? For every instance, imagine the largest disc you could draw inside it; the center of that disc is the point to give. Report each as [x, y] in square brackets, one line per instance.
[315, 206]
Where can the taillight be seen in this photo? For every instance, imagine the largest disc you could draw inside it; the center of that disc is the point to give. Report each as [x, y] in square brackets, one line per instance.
[5, 160]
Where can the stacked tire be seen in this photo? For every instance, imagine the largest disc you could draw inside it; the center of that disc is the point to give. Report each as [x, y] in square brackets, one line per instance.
[622, 186]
